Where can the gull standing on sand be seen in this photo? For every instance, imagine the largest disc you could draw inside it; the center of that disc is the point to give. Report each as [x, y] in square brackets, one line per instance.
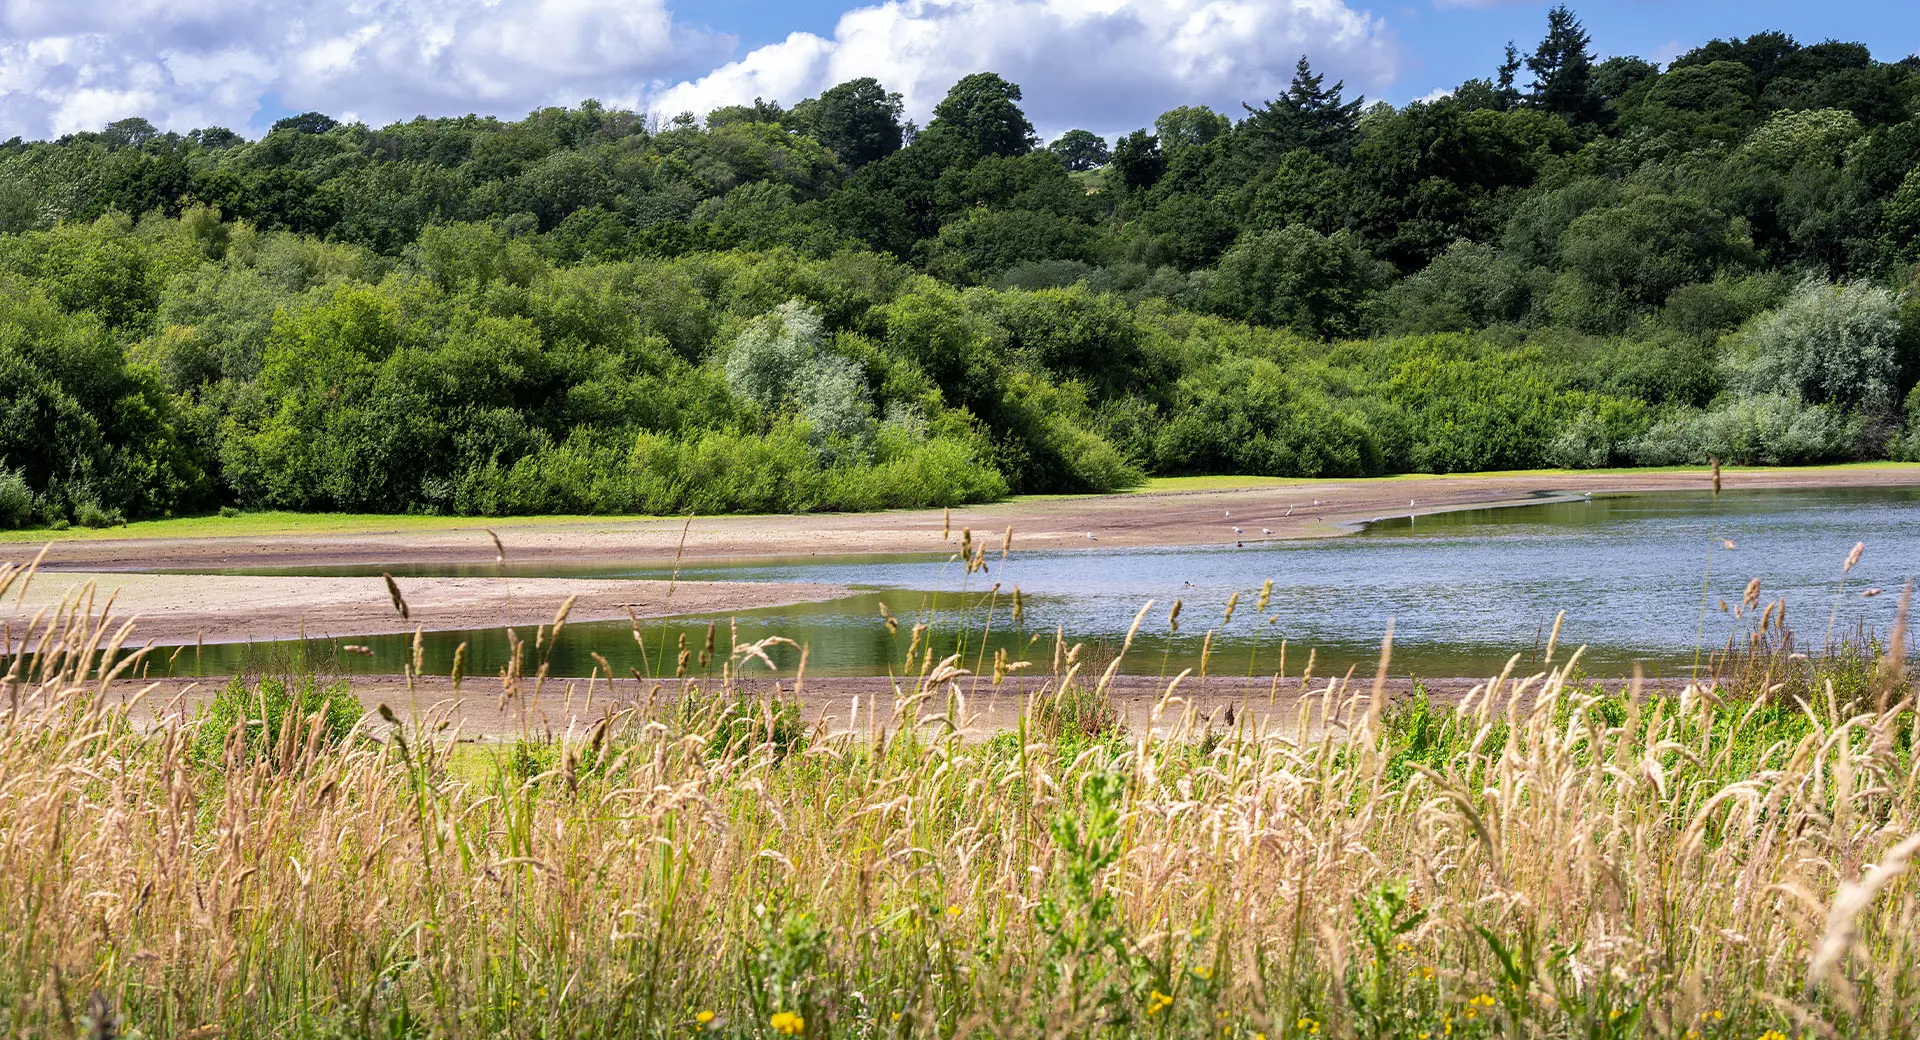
[1091, 538]
[1238, 531]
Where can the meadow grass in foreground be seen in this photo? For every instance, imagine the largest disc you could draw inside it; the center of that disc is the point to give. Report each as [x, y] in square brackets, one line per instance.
[1546, 859]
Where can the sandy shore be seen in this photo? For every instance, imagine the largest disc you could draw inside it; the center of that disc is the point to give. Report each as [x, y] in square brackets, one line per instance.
[174, 608]
[233, 608]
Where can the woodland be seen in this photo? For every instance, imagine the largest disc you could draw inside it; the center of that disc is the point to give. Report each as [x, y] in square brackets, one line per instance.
[1572, 262]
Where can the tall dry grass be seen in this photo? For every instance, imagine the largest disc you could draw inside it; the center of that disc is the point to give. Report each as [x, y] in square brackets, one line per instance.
[1543, 860]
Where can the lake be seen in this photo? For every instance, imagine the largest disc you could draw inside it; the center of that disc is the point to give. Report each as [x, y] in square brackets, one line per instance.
[1463, 590]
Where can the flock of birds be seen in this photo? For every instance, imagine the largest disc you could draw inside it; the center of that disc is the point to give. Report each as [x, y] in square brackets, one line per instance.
[1238, 530]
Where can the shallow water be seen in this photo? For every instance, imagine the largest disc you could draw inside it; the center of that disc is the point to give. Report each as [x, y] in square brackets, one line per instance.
[1462, 590]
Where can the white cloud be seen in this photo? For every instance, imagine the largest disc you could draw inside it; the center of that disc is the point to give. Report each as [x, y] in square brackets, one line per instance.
[1108, 65]
[75, 64]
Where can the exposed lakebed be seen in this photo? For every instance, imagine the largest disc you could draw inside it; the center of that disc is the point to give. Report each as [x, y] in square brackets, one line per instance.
[1463, 591]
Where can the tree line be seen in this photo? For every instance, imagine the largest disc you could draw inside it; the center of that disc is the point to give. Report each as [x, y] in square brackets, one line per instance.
[1568, 262]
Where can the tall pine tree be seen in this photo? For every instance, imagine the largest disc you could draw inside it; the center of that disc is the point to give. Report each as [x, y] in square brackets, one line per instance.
[1309, 115]
[1508, 94]
[1563, 69]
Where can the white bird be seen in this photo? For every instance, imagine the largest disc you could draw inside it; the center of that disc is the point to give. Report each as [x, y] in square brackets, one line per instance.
[1228, 514]
[1289, 510]
[1266, 530]
[1238, 531]
[1316, 501]
[1091, 538]
[1409, 502]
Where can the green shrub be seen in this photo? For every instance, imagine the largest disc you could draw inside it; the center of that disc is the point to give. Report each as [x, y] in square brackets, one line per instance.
[16, 499]
[254, 720]
[90, 513]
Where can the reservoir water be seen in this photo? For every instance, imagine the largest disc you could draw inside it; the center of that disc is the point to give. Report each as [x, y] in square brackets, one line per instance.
[1640, 578]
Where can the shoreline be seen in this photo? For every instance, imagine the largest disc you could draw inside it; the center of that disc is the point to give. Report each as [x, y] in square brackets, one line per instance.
[176, 608]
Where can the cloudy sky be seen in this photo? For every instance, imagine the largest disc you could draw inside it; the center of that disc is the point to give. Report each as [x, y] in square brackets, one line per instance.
[1109, 65]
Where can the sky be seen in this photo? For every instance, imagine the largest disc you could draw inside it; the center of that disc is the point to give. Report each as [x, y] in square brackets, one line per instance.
[1106, 65]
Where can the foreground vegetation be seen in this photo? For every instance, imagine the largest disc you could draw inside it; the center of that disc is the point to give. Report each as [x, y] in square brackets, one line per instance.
[776, 308]
[1549, 858]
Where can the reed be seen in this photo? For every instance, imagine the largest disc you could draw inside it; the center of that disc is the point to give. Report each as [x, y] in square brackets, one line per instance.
[1547, 858]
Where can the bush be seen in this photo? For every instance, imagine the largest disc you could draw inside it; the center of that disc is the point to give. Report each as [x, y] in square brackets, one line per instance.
[89, 513]
[1834, 344]
[16, 499]
[257, 720]
[1768, 430]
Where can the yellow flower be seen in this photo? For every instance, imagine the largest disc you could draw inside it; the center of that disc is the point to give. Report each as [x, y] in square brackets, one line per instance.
[1615, 1013]
[1425, 1036]
[1308, 1026]
[703, 1017]
[787, 1023]
[1483, 1000]
[1158, 1002]
[1773, 1034]
[1404, 947]
[953, 910]
[896, 1016]
[1203, 973]
[1714, 1016]
[1692, 1034]
[1472, 1013]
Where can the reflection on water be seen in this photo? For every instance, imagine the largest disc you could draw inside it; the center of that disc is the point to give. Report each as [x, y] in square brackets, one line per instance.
[1463, 591]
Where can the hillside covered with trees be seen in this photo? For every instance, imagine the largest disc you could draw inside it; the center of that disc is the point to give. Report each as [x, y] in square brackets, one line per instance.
[1570, 262]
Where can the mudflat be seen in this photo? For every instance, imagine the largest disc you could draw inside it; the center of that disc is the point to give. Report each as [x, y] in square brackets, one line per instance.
[173, 608]
[1293, 509]
[219, 608]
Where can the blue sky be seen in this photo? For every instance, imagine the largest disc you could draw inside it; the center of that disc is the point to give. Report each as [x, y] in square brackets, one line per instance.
[1108, 65]
[1443, 45]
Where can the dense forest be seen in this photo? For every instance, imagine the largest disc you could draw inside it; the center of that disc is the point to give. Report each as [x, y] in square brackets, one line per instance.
[1571, 263]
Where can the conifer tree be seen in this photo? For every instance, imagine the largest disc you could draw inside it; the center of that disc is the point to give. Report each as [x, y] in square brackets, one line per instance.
[1562, 69]
[1508, 94]
[1309, 115]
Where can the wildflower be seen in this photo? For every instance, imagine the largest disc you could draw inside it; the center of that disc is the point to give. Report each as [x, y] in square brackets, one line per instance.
[1691, 1034]
[1483, 1000]
[703, 1018]
[1158, 1002]
[896, 1016]
[1712, 1016]
[786, 1023]
[1203, 973]
[1404, 947]
[1308, 1026]
[953, 910]
[1615, 1013]
[1773, 1034]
